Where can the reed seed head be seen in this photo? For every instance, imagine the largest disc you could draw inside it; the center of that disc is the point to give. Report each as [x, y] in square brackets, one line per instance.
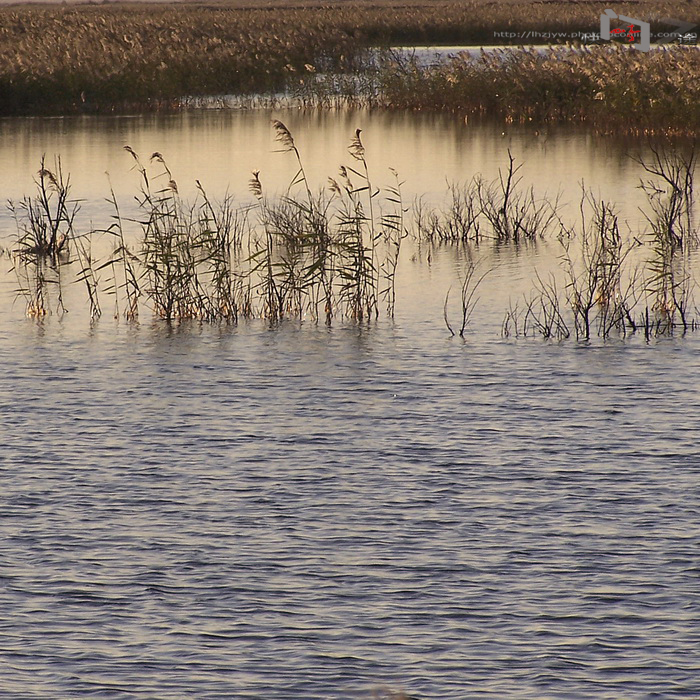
[356, 149]
[283, 135]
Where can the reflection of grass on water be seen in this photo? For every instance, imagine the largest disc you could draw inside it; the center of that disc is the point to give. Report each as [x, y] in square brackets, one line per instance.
[106, 58]
[334, 255]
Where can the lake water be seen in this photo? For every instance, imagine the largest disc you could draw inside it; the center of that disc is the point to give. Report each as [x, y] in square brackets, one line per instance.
[201, 511]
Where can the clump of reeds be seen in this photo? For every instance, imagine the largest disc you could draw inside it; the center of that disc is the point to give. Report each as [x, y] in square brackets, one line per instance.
[605, 289]
[328, 254]
[186, 251]
[501, 210]
[321, 256]
[44, 234]
[599, 288]
[45, 221]
[294, 259]
[673, 236]
[515, 215]
[543, 314]
[460, 222]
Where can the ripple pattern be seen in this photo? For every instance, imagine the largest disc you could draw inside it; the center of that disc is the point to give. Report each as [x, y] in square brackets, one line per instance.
[312, 514]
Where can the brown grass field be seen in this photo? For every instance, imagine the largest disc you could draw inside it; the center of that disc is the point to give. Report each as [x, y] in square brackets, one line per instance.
[135, 57]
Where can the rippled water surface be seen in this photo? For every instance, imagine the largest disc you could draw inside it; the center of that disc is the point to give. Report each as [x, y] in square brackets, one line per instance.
[305, 512]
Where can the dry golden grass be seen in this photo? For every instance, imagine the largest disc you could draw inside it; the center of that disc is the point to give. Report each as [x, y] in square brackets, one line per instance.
[90, 57]
[609, 87]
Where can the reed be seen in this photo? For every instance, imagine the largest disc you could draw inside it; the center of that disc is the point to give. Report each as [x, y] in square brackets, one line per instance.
[44, 222]
[357, 237]
[89, 58]
[87, 274]
[124, 265]
[394, 231]
[32, 280]
[470, 283]
[610, 88]
[673, 236]
[44, 230]
[500, 210]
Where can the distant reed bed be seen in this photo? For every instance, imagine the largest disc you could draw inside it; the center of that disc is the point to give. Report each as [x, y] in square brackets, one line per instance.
[88, 58]
[103, 58]
[609, 87]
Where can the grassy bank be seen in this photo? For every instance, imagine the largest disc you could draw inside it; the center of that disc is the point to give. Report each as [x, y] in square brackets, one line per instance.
[135, 57]
[613, 89]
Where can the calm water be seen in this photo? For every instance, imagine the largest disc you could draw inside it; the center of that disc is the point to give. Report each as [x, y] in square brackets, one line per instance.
[222, 148]
[208, 512]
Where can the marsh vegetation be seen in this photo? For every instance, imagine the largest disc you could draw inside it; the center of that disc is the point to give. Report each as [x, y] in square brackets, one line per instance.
[331, 255]
[610, 88]
[105, 58]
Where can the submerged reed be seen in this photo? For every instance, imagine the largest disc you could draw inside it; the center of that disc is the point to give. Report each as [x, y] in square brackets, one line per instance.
[45, 232]
[606, 290]
[45, 221]
[500, 210]
[673, 236]
[334, 254]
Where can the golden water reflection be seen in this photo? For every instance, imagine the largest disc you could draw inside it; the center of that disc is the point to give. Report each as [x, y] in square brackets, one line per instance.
[221, 148]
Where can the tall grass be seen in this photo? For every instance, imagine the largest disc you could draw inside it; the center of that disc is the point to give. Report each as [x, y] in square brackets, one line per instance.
[134, 57]
[611, 88]
[326, 255]
[332, 254]
[186, 251]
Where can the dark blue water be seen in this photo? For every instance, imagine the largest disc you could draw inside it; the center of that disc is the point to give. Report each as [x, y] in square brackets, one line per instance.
[311, 513]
